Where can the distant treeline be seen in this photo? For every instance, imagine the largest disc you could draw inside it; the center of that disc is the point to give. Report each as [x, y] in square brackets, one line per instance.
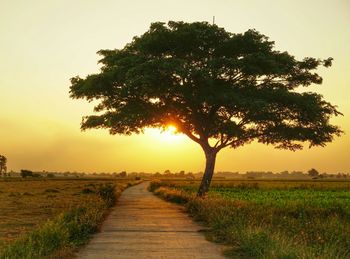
[312, 173]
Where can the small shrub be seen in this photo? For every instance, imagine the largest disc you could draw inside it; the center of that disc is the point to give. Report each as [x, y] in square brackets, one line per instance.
[107, 194]
[173, 195]
[154, 185]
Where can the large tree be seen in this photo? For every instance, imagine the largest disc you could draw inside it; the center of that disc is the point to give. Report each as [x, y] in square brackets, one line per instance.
[218, 88]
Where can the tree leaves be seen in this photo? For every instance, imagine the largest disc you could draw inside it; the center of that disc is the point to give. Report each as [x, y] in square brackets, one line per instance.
[212, 84]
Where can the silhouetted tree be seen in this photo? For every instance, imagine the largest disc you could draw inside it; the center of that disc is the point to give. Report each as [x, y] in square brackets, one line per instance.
[182, 173]
[313, 172]
[218, 88]
[123, 174]
[26, 173]
[3, 167]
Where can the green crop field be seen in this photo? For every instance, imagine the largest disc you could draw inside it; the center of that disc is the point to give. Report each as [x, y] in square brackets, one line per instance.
[271, 219]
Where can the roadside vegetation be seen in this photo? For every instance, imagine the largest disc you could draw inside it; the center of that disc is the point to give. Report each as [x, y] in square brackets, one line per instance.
[51, 218]
[270, 219]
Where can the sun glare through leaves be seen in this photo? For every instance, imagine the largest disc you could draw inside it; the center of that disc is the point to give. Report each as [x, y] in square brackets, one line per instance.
[166, 135]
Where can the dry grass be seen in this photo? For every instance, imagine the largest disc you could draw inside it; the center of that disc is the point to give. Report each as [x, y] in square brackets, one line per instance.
[27, 204]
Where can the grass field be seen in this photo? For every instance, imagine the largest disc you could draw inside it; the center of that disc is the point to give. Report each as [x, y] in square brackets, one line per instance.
[27, 206]
[271, 219]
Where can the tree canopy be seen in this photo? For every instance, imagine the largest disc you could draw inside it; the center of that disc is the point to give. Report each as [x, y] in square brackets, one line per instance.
[313, 172]
[212, 85]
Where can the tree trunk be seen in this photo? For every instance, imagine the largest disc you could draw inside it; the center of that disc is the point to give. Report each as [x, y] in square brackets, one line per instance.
[210, 156]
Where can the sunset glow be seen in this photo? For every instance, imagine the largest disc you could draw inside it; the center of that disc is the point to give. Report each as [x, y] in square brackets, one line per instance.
[167, 135]
[45, 43]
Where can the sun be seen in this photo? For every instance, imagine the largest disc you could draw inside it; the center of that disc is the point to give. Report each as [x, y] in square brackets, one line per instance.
[167, 135]
[171, 129]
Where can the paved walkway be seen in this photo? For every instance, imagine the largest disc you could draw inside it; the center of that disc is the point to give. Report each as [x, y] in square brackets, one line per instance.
[144, 226]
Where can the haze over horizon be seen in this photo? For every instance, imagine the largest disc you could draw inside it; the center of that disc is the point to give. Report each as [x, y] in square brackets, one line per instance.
[44, 44]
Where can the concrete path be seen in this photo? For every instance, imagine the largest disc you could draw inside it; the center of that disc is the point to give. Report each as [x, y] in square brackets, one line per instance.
[144, 226]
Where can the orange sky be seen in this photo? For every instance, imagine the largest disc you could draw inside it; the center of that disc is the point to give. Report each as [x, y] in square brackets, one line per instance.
[45, 43]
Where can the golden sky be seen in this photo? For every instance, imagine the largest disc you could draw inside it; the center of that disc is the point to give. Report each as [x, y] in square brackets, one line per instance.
[45, 43]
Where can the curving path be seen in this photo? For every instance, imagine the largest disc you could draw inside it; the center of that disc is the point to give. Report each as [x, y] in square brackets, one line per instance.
[144, 226]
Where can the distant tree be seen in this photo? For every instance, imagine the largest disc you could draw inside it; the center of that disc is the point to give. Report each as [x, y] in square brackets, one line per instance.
[3, 167]
[297, 174]
[218, 88]
[313, 172]
[182, 173]
[167, 172]
[26, 173]
[50, 175]
[123, 174]
[284, 173]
